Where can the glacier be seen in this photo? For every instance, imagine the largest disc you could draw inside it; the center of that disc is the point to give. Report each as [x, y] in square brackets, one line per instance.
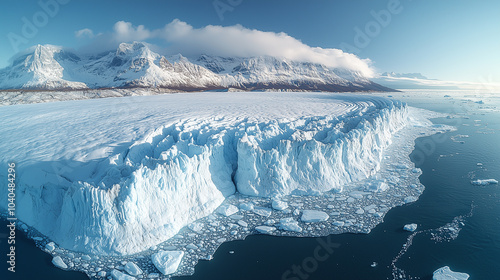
[136, 173]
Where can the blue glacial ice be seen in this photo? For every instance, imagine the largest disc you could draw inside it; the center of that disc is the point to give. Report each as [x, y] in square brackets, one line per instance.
[445, 273]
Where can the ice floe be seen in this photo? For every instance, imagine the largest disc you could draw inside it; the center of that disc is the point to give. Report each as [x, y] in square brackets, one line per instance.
[484, 182]
[445, 273]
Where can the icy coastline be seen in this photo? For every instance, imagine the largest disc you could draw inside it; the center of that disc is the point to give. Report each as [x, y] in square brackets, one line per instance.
[346, 156]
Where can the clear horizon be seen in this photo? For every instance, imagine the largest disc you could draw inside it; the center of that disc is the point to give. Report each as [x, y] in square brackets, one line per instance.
[448, 40]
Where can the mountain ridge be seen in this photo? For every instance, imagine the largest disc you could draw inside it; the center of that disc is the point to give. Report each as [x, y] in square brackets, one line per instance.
[48, 67]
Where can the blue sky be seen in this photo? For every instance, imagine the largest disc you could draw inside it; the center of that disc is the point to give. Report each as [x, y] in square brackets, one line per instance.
[448, 40]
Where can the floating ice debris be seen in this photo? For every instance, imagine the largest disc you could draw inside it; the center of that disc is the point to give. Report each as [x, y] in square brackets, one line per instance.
[58, 262]
[153, 276]
[410, 199]
[374, 264]
[50, 246]
[196, 227]
[118, 275]
[86, 258]
[445, 273]
[248, 206]
[279, 205]
[459, 136]
[360, 211]
[167, 262]
[484, 182]
[270, 222]
[242, 223]
[265, 229]
[289, 224]
[262, 211]
[313, 216]
[132, 269]
[410, 227]
[377, 186]
[227, 209]
[447, 232]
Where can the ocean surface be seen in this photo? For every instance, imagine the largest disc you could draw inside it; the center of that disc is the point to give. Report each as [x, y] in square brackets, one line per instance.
[458, 223]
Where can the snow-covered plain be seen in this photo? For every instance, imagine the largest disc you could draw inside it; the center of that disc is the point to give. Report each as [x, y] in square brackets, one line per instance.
[122, 176]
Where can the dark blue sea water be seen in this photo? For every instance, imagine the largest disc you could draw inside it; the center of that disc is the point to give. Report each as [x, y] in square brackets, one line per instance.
[448, 164]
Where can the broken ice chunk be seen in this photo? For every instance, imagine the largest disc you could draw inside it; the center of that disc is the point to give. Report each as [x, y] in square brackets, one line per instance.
[410, 227]
[265, 229]
[167, 262]
[313, 216]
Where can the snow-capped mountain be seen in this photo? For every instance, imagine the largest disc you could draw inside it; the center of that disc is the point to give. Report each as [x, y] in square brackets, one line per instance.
[49, 67]
[43, 67]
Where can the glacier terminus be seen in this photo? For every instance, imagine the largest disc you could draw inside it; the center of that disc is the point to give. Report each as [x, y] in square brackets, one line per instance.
[149, 185]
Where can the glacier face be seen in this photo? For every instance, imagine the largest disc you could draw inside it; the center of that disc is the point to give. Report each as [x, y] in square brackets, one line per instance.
[46, 67]
[315, 155]
[133, 171]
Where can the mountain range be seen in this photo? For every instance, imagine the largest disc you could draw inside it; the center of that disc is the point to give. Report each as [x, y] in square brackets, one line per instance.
[48, 67]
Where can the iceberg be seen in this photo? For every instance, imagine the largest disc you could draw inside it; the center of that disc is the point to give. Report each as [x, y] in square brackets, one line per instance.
[484, 182]
[313, 216]
[410, 227]
[58, 262]
[50, 246]
[279, 205]
[167, 262]
[445, 273]
[289, 224]
[133, 269]
[265, 229]
[118, 275]
[227, 210]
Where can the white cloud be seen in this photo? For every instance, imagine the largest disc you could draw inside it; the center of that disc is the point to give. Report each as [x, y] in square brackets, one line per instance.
[235, 40]
[125, 32]
[84, 33]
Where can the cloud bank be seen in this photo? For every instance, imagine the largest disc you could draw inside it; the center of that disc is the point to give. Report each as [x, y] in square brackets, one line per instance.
[180, 37]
